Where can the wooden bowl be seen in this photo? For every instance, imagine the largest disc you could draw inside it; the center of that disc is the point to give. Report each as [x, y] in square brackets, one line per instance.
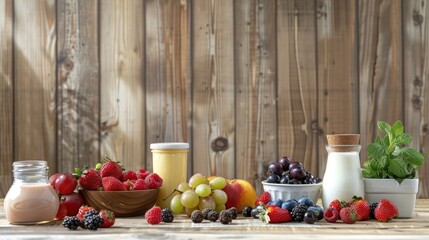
[122, 203]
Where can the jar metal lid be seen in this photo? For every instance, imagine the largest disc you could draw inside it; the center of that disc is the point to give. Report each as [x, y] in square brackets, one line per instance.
[169, 145]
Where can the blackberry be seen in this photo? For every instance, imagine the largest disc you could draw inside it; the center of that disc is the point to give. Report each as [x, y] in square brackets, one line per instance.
[372, 208]
[90, 212]
[233, 212]
[206, 211]
[92, 221]
[167, 215]
[298, 212]
[197, 216]
[212, 216]
[71, 223]
[225, 216]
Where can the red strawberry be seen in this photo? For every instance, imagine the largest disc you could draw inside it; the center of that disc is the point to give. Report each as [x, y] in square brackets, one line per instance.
[108, 218]
[153, 215]
[338, 204]
[385, 210]
[274, 214]
[82, 210]
[129, 184]
[89, 179]
[142, 173]
[129, 175]
[348, 215]
[331, 215]
[153, 181]
[140, 184]
[362, 208]
[111, 168]
[112, 184]
[62, 212]
[263, 199]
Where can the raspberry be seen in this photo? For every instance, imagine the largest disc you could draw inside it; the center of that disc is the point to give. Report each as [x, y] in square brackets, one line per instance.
[197, 216]
[153, 215]
[71, 223]
[167, 215]
[331, 215]
[153, 181]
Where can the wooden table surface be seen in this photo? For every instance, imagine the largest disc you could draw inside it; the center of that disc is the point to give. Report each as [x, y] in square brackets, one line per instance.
[243, 228]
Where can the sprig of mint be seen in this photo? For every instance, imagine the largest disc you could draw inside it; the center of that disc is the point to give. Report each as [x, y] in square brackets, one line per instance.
[389, 158]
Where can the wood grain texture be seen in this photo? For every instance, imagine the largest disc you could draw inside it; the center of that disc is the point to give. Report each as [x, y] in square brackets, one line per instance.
[6, 96]
[337, 67]
[256, 74]
[416, 75]
[168, 98]
[34, 77]
[122, 27]
[78, 85]
[380, 69]
[297, 85]
[213, 88]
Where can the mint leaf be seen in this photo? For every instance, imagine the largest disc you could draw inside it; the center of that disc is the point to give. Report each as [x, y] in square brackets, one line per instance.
[376, 150]
[397, 168]
[403, 139]
[384, 127]
[411, 156]
[397, 128]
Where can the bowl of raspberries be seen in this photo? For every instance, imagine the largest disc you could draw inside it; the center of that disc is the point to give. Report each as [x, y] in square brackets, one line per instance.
[289, 180]
[124, 192]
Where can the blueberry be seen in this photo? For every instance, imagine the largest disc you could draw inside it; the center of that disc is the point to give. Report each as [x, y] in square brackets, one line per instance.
[273, 178]
[306, 200]
[294, 181]
[256, 211]
[277, 203]
[284, 180]
[317, 210]
[289, 204]
[247, 211]
[309, 217]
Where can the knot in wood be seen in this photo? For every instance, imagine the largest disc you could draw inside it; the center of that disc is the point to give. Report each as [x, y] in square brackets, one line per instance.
[417, 82]
[417, 18]
[425, 128]
[220, 144]
[417, 103]
[68, 64]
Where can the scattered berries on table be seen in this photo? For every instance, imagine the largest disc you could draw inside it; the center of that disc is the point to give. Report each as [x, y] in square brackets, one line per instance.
[274, 214]
[92, 220]
[372, 208]
[255, 212]
[197, 216]
[108, 218]
[362, 208]
[317, 211]
[309, 217]
[71, 223]
[298, 212]
[83, 210]
[153, 215]
[167, 215]
[263, 199]
[205, 212]
[212, 216]
[385, 210]
[338, 204]
[233, 212]
[348, 215]
[247, 211]
[225, 217]
[331, 215]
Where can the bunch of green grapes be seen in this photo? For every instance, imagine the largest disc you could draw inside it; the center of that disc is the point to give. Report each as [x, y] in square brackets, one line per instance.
[200, 194]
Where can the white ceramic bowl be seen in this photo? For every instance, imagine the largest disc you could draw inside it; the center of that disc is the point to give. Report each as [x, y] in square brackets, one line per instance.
[293, 191]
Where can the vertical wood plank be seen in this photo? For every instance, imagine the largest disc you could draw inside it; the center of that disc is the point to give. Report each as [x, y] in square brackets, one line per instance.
[416, 73]
[78, 84]
[380, 69]
[297, 85]
[338, 86]
[168, 98]
[213, 87]
[34, 71]
[6, 96]
[255, 65]
[122, 82]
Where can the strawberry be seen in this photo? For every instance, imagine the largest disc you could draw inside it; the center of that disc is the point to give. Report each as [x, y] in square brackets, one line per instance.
[362, 208]
[331, 215]
[338, 204]
[153, 215]
[129, 175]
[62, 212]
[82, 210]
[263, 199]
[385, 210]
[274, 214]
[140, 184]
[112, 184]
[129, 184]
[89, 179]
[111, 168]
[108, 218]
[348, 215]
[142, 173]
[153, 181]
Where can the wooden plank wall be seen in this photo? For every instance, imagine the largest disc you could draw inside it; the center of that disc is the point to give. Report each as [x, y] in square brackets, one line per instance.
[244, 82]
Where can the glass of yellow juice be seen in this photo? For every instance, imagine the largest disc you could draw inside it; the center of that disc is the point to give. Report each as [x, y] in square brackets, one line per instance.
[170, 163]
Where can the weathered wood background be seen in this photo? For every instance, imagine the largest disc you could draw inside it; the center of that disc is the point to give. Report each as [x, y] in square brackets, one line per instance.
[243, 81]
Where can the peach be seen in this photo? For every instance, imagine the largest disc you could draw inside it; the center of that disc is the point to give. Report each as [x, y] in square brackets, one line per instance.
[240, 194]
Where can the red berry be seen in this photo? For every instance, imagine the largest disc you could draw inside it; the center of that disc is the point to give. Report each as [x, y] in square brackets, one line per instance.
[263, 199]
[140, 184]
[53, 178]
[348, 215]
[90, 180]
[82, 210]
[153, 215]
[361, 207]
[274, 214]
[129, 184]
[73, 202]
[65, 183]
[385, 210]
[129, 175]
[338, 204]
[108, 218]
[331, 215]
[62, 212]
[153, 181]
[142, 173]
[112, 184]
[111, 168]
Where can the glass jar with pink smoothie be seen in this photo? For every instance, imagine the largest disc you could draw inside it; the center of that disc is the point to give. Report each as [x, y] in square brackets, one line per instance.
[30, 199]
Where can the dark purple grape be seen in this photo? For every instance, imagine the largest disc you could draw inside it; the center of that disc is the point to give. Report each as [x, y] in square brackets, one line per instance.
[284, 180]
[294, 181]
[285, 161]
[273, 178]
[294, 165]
[275, 168]
[297, 173]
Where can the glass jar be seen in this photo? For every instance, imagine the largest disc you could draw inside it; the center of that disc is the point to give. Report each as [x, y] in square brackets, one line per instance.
[170, 163]
[343, 176]
[30, 199]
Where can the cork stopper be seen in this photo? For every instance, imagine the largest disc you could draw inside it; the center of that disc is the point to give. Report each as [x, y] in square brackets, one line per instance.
[343, 142]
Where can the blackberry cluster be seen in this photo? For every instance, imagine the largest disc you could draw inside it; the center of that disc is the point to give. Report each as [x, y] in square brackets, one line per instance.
[298, 212]
[92, 220]
[167, 215]
[372, 208]
[225, 216]
[71, 223]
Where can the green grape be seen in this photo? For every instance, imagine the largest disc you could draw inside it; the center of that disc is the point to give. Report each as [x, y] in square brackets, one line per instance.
[196, 180]
[189, 199]
[183, 186]
[220, 207]
[206, 202]
[217, 183]
[203, 190]
[219, 197]
[176, 205]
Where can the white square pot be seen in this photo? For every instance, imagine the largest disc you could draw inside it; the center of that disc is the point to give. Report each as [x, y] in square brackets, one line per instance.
[402, 195]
